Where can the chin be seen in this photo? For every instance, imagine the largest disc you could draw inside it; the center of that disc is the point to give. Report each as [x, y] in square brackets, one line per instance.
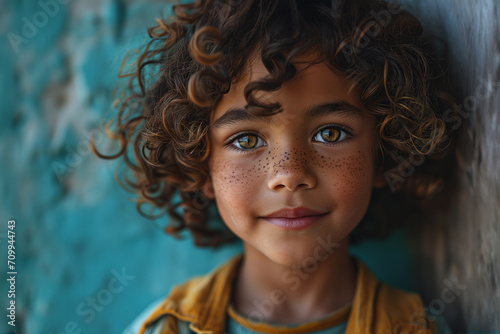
[295, 257]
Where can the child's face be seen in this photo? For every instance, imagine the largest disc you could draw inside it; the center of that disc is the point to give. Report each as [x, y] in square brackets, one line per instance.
[323, 162]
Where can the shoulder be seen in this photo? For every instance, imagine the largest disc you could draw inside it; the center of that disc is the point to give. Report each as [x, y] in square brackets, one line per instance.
[188, 304]
[405, 311]
[399, 303]
[380, 308]
[409, 311]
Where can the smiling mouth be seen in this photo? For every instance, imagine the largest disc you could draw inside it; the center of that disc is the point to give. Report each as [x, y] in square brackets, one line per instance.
[297, 223]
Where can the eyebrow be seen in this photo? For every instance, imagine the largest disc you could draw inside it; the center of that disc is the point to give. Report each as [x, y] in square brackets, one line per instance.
[234, 116]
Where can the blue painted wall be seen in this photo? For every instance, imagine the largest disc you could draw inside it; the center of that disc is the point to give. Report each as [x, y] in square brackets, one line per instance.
[86, 260]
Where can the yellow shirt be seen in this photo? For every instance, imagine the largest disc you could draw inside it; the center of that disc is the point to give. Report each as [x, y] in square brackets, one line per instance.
[334, 323]
[202, 303]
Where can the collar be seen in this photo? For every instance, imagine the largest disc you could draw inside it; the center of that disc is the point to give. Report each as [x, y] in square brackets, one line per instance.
[203, 302]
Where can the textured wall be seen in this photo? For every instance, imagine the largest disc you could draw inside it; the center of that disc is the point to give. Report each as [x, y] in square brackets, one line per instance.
[87, 261]
[85, 258]
[459, 254]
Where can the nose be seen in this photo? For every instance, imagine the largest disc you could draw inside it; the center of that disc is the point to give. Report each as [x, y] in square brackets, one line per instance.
[292, 172]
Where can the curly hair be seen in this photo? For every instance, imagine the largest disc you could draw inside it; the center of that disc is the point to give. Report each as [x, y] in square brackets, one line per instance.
[179, 76]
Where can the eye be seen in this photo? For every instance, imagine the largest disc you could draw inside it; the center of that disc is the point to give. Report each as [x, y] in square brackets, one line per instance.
[331, 134]
[246, 142]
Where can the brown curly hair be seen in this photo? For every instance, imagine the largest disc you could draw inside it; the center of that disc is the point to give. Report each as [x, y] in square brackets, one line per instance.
[180, 75]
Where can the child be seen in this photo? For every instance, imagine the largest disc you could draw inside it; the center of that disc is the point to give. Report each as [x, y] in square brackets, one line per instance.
[298, 120]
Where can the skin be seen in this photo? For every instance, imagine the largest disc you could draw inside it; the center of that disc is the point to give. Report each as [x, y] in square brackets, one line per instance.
[293, 165]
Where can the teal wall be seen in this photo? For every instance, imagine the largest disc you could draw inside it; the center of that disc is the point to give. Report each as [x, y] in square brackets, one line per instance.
[76, 229]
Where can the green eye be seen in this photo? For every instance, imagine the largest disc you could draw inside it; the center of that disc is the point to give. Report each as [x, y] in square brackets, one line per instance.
[248, 141]
[331, 134]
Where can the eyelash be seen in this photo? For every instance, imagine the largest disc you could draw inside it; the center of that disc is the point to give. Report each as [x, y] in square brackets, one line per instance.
[346, 132]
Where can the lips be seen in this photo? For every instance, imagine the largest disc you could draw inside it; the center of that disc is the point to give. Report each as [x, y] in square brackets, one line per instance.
[294, 219]
[294, 213]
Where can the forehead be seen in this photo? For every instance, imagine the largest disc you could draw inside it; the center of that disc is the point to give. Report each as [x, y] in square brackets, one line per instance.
[313, 84]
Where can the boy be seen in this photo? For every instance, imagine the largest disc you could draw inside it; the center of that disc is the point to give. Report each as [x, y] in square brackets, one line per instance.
[287, 114]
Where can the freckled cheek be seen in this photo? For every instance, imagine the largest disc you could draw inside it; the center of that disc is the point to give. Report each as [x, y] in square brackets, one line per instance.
[235, 184]
[351, 177]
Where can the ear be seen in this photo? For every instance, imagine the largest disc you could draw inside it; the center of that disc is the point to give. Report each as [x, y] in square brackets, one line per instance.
[379, 180]
[208, 189]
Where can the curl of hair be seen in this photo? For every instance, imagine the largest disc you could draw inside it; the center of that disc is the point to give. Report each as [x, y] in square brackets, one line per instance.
[179, 76]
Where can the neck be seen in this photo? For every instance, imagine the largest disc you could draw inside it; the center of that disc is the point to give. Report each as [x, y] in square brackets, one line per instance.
[270, 292]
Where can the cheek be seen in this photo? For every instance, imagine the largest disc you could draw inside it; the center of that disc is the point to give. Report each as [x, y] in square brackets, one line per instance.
[236, 188]
[350, 179]
[234, 184]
